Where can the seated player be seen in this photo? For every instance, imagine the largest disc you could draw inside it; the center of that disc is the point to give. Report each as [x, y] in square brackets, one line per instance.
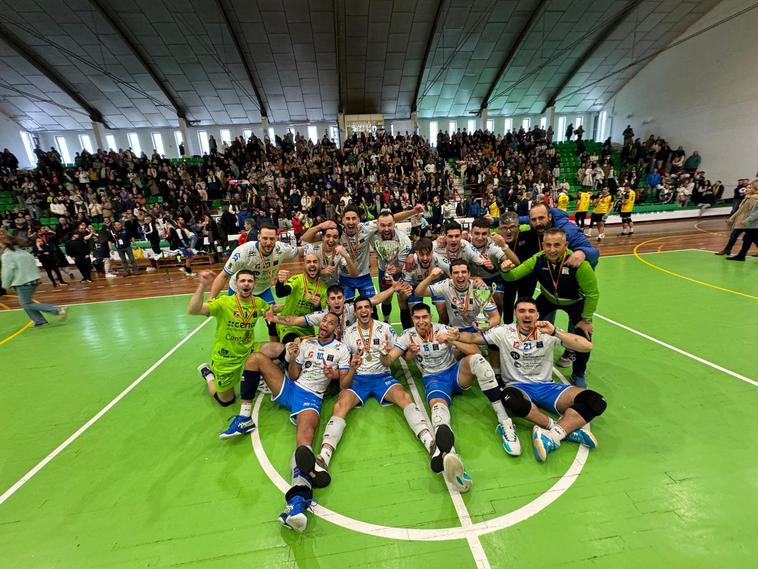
[313, 364]
[367, 340]
[526, 349]
[335, 301]
[236, 317]
[428, 344]
[303, 293]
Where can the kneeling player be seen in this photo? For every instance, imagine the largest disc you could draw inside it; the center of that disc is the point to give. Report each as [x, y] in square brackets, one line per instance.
[236, 317]
[313, 364]
[526, 350]
[367, 340]
[444, 377]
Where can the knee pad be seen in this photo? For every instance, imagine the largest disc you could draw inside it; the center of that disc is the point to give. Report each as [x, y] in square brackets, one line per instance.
[589, 404]
[225, 403]
[516, 402]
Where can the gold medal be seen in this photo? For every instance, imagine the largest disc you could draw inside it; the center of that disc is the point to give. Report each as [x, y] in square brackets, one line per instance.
[369, 358]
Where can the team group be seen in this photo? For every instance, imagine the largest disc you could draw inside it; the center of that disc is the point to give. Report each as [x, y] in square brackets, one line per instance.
[474, 285]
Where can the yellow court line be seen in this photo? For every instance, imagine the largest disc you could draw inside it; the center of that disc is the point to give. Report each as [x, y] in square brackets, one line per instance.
[16, 333]
[686, 278]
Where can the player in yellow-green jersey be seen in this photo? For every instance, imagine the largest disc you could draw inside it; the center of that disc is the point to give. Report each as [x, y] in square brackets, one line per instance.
[236, 317]
[304, 293]
[583, 199]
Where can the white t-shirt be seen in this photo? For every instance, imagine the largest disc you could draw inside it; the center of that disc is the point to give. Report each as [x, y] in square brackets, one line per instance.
[346, 319]
[530, 361]
[434, 357]
[357, 339]
[327, 260]
[264, 268]
[357, 246]
[459, 312]
[312, 355]
[404, 247]
[492, 252]
[419, 273]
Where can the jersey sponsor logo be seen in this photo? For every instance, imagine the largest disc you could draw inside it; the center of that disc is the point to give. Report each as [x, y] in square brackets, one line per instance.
[376, 341]
[540, 344]
[515, 355]
[435, 347]
[330, 358]
[308, 364]
[320, 356]
[235, 257]
[310, 354]
[565, 271]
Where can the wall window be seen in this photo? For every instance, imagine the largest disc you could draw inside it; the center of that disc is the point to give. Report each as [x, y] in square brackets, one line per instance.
[226, 136]
[392, 129]
[178, 138]
[526, 123]
[471, 125]
[26, 138]
[508, 125]
[110, 141]
[433, 130]
[313, 134]
[272, 135]
[578, 122]
[561, 134]
[490, 125]
[247, 133]
[60, 142]
[134, 142]
[543, 123]
[86, 143]
[205, 145]
[452, 126]
[334, 132]
[601, 127]
[291, 130]
[157, 139]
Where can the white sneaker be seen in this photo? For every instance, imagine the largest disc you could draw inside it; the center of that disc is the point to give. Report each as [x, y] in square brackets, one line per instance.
[150, 270]
[563, 361]
[110, 276]
[507, 432]
[455, 474]
[63, 312]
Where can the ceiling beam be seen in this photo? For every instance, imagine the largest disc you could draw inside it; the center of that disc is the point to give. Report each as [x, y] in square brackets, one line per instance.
[427, 51]
[141, 56]
[604, 34]
[512, 52]
[339, 52]
[241, 54]
[43, 67]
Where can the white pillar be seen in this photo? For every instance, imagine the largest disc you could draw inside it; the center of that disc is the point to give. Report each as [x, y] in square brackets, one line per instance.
[97, 130]
[264, 127]
[342, 128]
[484, 118]
[551, 117]
[414, 120]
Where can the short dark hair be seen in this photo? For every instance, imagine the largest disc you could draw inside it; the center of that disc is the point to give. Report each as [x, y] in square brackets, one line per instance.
[452, 225]
[419, 307]
[334, 289]
[268, 225]
[556, 231]
[351, 208]
[338, 229]
[245, 272]
[527, 299]
[423, 245]
[362, 298]
[481, 222]
[458, 262]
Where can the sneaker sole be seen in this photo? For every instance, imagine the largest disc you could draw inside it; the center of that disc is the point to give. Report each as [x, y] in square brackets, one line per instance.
[444, 438]
[224, 436]
[455, 474]
[540, 454]
[283, 520]
[306, 463]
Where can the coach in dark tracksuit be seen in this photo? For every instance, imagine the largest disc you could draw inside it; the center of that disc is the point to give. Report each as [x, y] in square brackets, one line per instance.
[562, 287]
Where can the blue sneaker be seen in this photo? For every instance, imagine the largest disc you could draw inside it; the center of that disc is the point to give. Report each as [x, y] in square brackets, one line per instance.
[542, 444]
[240, 425]
[293, 517]
[583, 437]
[579, 381]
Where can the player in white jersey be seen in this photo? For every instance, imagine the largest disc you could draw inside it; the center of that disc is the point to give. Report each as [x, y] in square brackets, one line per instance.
[335, 301]
[313, 364]
[526, 351]
[332, 257]
[391, 269]
[355, 239]
[263, 258]
[444, 377]
[367, 340]
[457, 292]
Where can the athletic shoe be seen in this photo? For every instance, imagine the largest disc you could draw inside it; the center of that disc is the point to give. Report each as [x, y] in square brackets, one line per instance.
[206, 372]
[150, 270]
[263, 388]
[583, 437]
[110, 276]
[579, 381]
[736, 258]
[455, 474]
[240, 425]
[63, 312]
[436, 458]
[443, 442]
[542, 443]
[314, 467]
[293, 517]
[41, 325]
[507, 432]
[564, 361]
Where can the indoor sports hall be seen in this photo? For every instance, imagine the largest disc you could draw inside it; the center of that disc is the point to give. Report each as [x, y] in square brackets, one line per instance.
[145, 142]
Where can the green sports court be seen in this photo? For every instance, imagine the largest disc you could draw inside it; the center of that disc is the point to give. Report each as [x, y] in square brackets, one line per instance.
[111, 457]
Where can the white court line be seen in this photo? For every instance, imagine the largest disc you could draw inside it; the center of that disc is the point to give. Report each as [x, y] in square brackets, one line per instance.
[680, 351]
[41, 464]
[477, 550]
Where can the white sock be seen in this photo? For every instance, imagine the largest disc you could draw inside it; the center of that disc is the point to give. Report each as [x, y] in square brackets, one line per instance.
[418, 425]
[332, 435]
[440, 415]
[557, 433]
[246, 408]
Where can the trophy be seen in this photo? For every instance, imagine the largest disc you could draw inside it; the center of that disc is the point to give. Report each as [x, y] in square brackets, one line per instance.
[389, 253]
[482, 295]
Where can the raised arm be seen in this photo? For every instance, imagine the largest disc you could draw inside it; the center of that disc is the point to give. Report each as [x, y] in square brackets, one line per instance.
[197, 304]
[422, 289]
[310, 235]
[571, 341]
[352, 268]
[403, 215]
[219, 283]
